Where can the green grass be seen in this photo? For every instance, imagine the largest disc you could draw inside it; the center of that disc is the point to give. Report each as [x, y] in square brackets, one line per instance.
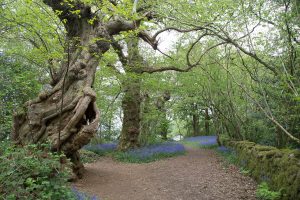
[190, 144]
[128, 158]
[230, 158]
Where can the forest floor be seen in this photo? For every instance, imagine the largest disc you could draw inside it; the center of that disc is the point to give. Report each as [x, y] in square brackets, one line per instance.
[200, 174]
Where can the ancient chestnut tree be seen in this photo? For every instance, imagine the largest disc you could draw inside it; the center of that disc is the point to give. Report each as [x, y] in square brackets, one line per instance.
[66, 115]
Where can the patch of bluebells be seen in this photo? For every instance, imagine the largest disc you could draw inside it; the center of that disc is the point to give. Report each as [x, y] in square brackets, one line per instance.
[101, 148]
[82, 196]
[163, 148]
[203, 140]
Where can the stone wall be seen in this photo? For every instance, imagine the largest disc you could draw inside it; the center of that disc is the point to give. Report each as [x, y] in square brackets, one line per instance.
[278, 167]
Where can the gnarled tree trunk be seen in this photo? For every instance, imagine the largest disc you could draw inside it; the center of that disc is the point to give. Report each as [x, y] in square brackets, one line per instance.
[67, 116]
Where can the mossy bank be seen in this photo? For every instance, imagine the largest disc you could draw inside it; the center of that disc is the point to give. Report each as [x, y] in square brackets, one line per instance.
[280, 168]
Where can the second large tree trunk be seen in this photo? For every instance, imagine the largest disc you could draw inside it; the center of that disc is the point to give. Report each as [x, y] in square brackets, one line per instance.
[131, 104]
[196, 126]
[163, 121]
[207, 119]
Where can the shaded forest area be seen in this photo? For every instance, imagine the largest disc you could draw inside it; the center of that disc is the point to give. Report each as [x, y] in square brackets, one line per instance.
[137, 73]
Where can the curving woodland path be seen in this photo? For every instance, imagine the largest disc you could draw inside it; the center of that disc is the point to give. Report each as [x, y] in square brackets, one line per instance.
[198, 175]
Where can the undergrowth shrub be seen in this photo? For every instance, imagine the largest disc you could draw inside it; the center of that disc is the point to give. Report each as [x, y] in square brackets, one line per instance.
[264, 193]
[229, 156]
[33, 172]
[87, 156]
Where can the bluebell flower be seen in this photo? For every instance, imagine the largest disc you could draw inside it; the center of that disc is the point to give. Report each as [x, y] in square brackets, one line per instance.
[203, 140]
[82, 196]
[223, 149]
[163, 148]
[101, 148]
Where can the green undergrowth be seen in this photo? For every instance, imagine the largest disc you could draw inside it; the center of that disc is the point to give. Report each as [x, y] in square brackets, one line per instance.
[230, 158]
[87, 156]
[129, 158]
[263, 192]
[33, 172]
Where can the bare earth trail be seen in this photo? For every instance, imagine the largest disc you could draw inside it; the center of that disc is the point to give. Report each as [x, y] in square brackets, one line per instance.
[198, 175]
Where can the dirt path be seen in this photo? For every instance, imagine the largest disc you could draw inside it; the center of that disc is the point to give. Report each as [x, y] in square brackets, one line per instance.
[198, 175]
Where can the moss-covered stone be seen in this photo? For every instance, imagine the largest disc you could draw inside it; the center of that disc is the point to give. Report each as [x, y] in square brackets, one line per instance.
[279, 167]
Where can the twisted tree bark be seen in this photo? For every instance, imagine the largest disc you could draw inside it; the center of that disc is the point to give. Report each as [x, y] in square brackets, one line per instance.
[67, 116]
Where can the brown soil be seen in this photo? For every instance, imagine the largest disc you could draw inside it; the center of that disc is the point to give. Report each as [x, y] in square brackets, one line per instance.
[198, 175]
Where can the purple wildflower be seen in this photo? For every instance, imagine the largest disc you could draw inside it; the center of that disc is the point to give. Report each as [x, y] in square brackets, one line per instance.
[101, 148]
[223, 149]
[203, 140]
[164, 148]
[82, 196]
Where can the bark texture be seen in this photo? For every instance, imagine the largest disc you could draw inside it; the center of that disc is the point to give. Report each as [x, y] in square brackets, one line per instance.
[145, 121]
[207, 119]
[131, 104]
[163, 123]
[196, 126]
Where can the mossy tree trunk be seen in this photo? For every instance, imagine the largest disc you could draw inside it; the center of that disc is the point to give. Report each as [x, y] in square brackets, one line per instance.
[145, 118]
[131, 102]
[206, 122]
[163, 123]
[196, 126]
